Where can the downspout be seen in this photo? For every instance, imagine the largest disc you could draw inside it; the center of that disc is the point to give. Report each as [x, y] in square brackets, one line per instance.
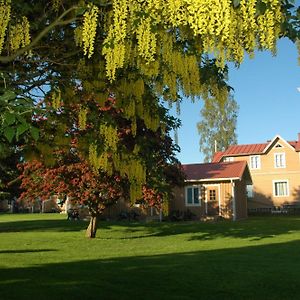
[233, 200]
[206, 208]
[220, 205]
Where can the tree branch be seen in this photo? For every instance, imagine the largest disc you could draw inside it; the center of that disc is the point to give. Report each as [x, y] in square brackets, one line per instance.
[57, 22]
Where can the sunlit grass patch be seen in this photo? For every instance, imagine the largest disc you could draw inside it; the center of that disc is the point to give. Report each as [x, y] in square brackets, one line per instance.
[48, 257]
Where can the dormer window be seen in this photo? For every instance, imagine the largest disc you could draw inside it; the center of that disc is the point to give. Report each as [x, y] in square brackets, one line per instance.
[229, 158]
[279, 160]
[255, 162]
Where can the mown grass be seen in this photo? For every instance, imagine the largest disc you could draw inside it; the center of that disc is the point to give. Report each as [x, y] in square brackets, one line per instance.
[44, 256]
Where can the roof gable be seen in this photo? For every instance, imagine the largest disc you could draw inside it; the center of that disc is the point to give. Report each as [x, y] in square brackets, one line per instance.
[275, 140]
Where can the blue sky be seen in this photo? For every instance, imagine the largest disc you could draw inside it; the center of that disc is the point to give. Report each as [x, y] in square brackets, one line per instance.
[265, 89]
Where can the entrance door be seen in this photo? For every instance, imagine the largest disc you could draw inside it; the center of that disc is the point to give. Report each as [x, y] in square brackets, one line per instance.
[212, 200]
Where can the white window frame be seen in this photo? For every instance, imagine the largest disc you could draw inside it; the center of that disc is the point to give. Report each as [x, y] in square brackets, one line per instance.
[249, 190]
[287, 188]
[193, 200]
[228, 159]
[255, 162]
[283, 161]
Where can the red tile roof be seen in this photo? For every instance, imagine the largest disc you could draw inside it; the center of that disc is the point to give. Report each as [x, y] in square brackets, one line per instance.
[215, 171]
[246, 149]
[217, 156]
[236, 150]
[295, 144]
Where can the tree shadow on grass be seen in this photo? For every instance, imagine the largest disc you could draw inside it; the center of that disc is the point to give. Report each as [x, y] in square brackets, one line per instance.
[254, 229]
[42, 225]
[258, 272]
[26, 251]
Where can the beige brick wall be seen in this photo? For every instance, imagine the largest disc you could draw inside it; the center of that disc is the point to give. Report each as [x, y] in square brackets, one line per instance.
[263, 178]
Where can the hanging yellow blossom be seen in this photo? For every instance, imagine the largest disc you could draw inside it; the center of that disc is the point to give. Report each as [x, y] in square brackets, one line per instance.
[56, 98]
[110, 136]
[89, 29]
[114, 44]
[82, 118]
[4, 19]
[93, 157]
[146, 40]
[19, 35]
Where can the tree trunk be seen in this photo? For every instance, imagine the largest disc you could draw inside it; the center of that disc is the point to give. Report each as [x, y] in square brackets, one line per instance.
[92, 229]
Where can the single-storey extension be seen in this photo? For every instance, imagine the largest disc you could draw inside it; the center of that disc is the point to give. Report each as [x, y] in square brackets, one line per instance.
[214, 189]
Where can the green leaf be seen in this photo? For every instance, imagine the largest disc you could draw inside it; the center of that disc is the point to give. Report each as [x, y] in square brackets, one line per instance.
[35, 133]
[4, 150]
[8, 95]
[236, 3]
[260, 8]
[21, 129]
[9, 133]
[21, 119]
[9, 118]
[80, 11]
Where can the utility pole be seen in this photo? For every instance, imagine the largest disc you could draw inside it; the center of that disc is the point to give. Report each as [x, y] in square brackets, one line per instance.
[216, 146]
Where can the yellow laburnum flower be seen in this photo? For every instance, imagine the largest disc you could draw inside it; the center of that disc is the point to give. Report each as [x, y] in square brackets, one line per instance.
[56, 98]
[146, 40]
[89, 29]
[19, 35]
[82, 118]
[5, 11]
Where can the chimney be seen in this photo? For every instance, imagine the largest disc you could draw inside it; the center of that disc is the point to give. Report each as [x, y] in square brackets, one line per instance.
[299, 137]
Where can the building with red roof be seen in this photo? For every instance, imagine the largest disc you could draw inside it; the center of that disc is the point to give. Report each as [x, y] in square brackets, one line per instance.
[275, 171]
[214, 189]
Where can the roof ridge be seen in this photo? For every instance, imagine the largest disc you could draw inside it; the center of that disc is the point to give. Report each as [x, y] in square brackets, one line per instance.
[263, 143]
[214, 163]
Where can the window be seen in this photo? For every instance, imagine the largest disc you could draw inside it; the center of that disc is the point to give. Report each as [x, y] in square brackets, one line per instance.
[229, 158]
[278, 146]
[279, 160]
[192, 197]
[212, 195]
[280, 188]
[255, 162]
[249, 190]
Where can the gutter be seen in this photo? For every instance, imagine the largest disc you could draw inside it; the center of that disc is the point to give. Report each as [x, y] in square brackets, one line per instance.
[233, 200]
[212, 179]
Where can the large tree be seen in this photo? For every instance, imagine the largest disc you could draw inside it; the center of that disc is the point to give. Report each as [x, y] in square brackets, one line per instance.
[71, 165]
[139, 52]
[217, 127]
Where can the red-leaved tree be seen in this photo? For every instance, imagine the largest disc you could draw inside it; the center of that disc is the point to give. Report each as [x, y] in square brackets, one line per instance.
[75, 180]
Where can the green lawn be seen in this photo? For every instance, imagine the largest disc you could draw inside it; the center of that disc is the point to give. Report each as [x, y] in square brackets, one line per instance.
[44, 256]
